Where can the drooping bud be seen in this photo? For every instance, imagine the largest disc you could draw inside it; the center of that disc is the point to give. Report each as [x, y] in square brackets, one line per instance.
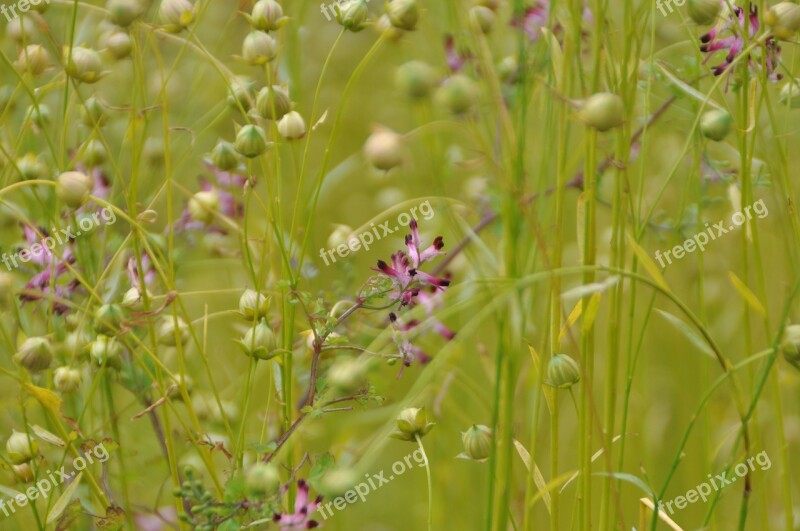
[21, 447]
[403, 14]
[273, 103]
[482, 18]
[292, 126]
[204, 205]
[784, 19]
[35, 354]
[602, 111]
[267, 15]
[74, 188]
[715, 124]
[119, 44]
[108, 319]
[416, 79]
[253, 305]
[259, 342]
[176, 14]
[562, 372]
[347, 375]
[251, 141]
[106, 351]
[351, 14]
[83, 64]
[23, 472]
[477, 443]
[411, 422]
[171, 330]
[93, 113]
[458, 94]
[34, 59]
[30, 167]
[123, 12]
[224, 157]
[704, 12]
[242, 92]
[790, 345]
[67, 379]
[93, 153]
[387, 30]
[133, 299]
[384, 149]
[259, 48]
[262, 480]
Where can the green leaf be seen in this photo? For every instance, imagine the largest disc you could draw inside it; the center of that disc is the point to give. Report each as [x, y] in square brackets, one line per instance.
[64, 499]
[71, 513]
[264, 448]
[324, 463]
[690, 334]
[630, 478]
[234, 488]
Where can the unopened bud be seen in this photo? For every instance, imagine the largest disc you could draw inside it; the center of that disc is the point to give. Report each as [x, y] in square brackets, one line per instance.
[347, 375]
[35, 354]
[259, 342]
[20, 29]
[410, 424]
[562, 372]
[119, 44]
[171, 330]
[93, 153]
[253, 305]
[83, 64]
[416, 79]
[458, 94]
[351, 14]
[224, 156]
[341, 235]
[292, 126]
[21, 447]
[482, 18]
[34, 59]
[242, 92]
[477, 443]
[23, 472]
[108, 319]
[123, 12]
[203, 206]
[30, 167]
[790, 94]
[790, 346]
[67, 379]
[384, 149]
[273, 103]
[784, 19]
[267, 15]
[259, 48]
[176, 14]
[403, 14]
[715, 124]
[251, 141]
[93, 113]
[106, 352]
[74, 188]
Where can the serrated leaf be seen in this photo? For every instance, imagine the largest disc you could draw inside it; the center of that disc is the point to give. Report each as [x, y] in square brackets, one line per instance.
[61, 504]
[688, 332]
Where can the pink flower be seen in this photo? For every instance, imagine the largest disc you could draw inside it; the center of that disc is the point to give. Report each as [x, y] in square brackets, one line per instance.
[303, 509]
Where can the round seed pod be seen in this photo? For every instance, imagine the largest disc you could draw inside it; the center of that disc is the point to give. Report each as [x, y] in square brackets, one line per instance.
[83, 64]
[30, 167]
[482, 18]
[562, 372]
[74, 188]
[704, 12]
[477, 442]
[384, 149]
[602, 111]
[715, 124]
[259, 342]
[251, 141]
[67, 379]
[106, 351]
[21, 447]
[411, 422]
[267, 15]
[242, 92]
[352, 14]
[273, 103]
[34, 59]
[458, 94]
[292, 126]
[224, 156]
[784, 19]
[93, 113]
[176, 14]
[403, 14]
[259, 48]
[416, 79]
[203, 206]
[122, 13]
[94, 153]
[35, 354]
[119, 44]
[253, 305]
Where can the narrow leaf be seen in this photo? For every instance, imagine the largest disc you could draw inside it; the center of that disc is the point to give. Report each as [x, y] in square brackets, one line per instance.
[64, 499]
[748, 296]
[650, 266]
[687, 331]
[537, 474]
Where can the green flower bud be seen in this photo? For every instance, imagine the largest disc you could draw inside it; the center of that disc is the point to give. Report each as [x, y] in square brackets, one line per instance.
[784, 19]
[171, 330]
[262, 480]
[20, 29]
[224, 156]
[384, 149]
[704, 12]
[259, 342]
[123, 12]
[352, 14]
[273, 103]
[508, 69]
[119, 44]
[30, 167]
[251, 141]
[40, 116]
[416, 79]
[347, 375]
[477, 443]
[203, 206]
[76, 342]
[176, 14]
[715, 124]
[93, 153]
[790, 345]
[387, 30]
[21, 448]
[403, 14]
[35, 354]
[93, 113]
[34, 59]
[67, 379]
[133, 299]
[242, 92]
[74, 188]
[790, 94]
[482, 18]
[411, 422]
[253, 305]
[106, 351]
[267, 15]
[259, 48]
[602, 111]
[562, 372]
[458, 94]
[83, 64]
[108, 319]
[292, 126]
[23, 472]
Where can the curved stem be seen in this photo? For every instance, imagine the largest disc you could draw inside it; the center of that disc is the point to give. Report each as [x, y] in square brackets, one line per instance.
[430, 488]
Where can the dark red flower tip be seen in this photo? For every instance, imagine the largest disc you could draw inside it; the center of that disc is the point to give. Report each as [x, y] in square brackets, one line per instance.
[413, 224]
[312, 524]
[412, 272]
[438, 243]
[444, 283]
[383, 266]
[705, 38]
[276, 518]
[318, 499]
[408, 239]
[392, 317]
[301, 483]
